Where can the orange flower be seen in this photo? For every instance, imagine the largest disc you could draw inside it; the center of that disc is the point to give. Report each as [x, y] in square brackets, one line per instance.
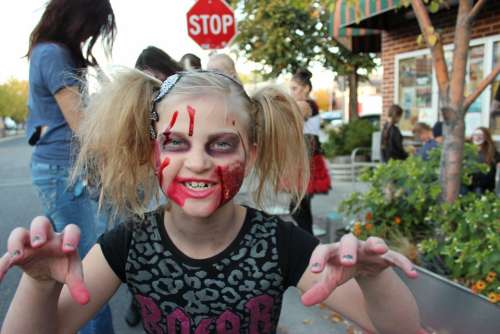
[357, 229]
[474, 290]
[480, 285]
[368, 217]
[491, 276]
[493, 297]
[397, 220]
[369, 227]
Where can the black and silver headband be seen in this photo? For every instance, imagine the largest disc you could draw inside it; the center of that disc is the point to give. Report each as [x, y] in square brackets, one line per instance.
[167, 86]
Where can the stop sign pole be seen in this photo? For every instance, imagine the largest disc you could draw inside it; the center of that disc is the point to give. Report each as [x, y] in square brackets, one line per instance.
[211, 24]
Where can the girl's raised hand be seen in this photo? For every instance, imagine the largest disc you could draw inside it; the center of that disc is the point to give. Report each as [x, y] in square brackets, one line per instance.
[47, 256]
[351, 258]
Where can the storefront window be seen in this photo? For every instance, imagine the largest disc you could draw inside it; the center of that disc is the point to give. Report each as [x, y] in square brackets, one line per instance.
[495, 112]
[415, 91]
[473, 76]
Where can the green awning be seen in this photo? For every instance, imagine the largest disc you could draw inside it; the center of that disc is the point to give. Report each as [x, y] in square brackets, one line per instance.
[346, 14]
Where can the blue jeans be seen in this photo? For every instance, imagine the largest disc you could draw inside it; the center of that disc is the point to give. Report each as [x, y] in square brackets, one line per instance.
[64, 205]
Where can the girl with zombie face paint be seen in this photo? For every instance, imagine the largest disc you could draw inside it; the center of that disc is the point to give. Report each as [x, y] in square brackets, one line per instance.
[203, 264]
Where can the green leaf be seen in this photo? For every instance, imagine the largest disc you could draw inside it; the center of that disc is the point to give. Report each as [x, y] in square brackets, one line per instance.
[434, 7]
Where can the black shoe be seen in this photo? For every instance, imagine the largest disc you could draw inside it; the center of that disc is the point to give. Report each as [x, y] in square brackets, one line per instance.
[133, 316]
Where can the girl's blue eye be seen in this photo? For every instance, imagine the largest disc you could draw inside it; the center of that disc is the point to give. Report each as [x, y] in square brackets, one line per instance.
[222, 146]
[174, 144]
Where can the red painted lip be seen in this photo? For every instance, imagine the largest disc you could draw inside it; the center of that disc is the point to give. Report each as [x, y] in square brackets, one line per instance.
[190, 193]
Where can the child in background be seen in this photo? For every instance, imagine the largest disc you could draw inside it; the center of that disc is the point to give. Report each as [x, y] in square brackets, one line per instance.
[423, 132]
[190, 62]
[156, 62]
[224, 64]
[203, 264]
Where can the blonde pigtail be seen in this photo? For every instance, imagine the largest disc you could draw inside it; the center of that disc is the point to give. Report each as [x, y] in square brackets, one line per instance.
[282, 159]
[115, 146]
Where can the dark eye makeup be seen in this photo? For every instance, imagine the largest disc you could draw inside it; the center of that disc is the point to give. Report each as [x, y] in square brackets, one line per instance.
[218, 144]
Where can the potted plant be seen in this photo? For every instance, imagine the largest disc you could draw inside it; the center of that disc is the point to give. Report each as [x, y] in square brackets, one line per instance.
[460, 242]
[340, 144]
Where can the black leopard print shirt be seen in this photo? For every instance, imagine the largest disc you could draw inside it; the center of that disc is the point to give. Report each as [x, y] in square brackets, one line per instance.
[236, 291]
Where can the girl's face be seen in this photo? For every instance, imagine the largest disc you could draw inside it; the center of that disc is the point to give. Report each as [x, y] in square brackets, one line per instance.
[201, 154]
[299, 92]
[478, 137]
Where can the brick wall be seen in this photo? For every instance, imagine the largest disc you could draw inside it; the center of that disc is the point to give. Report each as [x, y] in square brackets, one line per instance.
[404, 39]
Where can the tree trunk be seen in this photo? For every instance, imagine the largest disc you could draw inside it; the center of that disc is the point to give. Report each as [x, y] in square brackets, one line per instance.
[453, 151]
[353, 96]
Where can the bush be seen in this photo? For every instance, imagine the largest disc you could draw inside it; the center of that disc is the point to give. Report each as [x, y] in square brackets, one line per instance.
[468, 243]
[343, 140]
[460, 240]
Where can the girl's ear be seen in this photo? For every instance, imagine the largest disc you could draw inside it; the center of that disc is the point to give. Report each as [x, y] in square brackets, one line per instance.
[251, 158]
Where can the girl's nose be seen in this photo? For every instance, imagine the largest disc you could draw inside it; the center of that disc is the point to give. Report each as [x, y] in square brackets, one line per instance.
[198, 161]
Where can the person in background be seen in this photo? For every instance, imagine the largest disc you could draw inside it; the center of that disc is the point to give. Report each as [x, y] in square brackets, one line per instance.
[224, 64]
[392, 139]
[56, 73]
[157, 63]
[437, 132]
[424, 133]
[481, 182]
[190, 62]
[319, 183]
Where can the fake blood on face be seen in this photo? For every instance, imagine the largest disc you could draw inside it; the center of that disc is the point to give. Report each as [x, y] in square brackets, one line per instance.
[231, 179]
[159, 167]
[191, 111]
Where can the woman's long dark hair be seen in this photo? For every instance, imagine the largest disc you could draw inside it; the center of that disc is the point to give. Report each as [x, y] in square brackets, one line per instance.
[488, 147]
[73, 22]
[157, 59]
[394, 113]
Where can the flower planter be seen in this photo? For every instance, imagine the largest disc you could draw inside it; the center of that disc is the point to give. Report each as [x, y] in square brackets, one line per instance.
[447, 307]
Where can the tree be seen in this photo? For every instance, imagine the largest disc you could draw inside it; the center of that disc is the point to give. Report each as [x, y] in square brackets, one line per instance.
[284, 35]
[452, 102]
[14, 99]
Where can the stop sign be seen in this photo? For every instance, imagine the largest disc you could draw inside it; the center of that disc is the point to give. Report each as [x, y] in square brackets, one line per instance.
[211, 24]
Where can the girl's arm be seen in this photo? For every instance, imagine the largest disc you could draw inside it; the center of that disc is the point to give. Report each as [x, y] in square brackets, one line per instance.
[362, 286]
[386, 302]
[42, 304]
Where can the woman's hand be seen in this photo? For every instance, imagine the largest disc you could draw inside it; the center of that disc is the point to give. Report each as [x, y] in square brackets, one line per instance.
[47, 256]
[351, 258]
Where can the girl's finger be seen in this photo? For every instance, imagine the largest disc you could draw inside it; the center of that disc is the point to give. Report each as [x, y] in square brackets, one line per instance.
[40, 231]
[402, 263]
[5, 261]
[19, 238]
[322, 289]
[348, 250]
[70, 238]
[375, 245]
[320, 256]
[74, 280]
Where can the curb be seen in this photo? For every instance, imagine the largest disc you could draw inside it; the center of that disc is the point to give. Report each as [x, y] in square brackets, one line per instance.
[9, 138]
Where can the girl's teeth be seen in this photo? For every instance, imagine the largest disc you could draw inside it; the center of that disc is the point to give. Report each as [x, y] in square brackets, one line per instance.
[197, 185]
